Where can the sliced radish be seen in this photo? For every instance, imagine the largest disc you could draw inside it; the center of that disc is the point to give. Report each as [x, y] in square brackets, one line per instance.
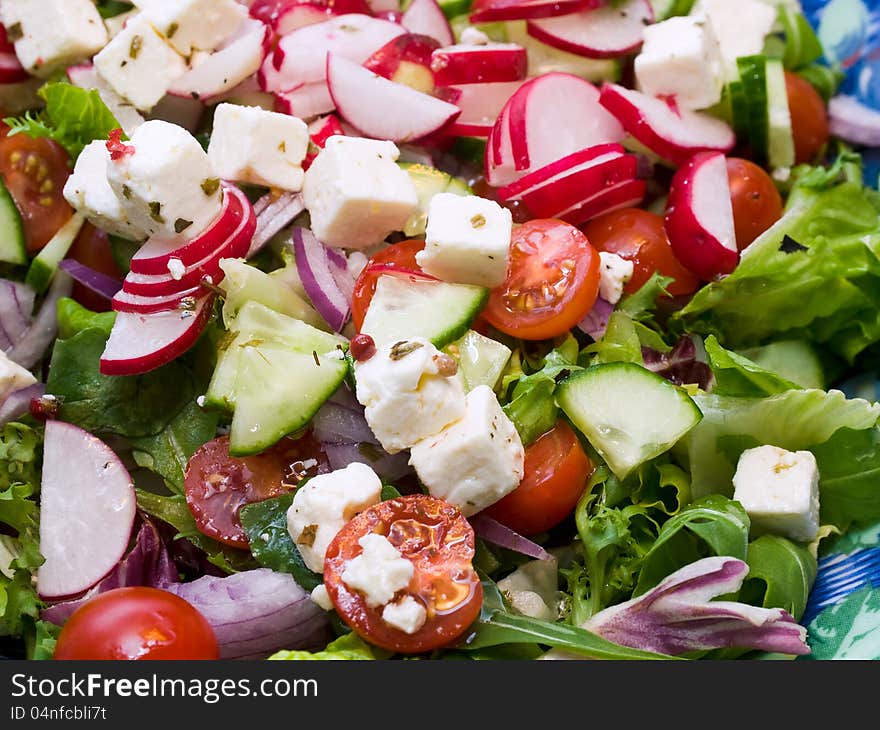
[320, 131]
[480, 106]
[139, 343]
[306, 101]
[285, 16]
[125, 302]
[673, 134]
[11, 70]
[366, 101]
[549, 117]
[87, 510]
[472, 64]
[580, 183]
[153, 256]
[406, 60]
[425, 17]
[227, 67]
[699, 216]
[384, 6]
[624, 195]
[301, 56]
[484, 11]
[604, 32]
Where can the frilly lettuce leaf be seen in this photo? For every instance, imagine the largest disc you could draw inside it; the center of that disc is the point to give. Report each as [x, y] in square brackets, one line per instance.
[347, 647]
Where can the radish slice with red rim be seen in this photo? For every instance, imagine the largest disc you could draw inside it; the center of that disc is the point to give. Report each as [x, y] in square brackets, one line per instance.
[624, 195]
[699, 217]
[139, 343]
[483, 64]
[480, 106]
[605, 32]
[306, 101]
[484, 11]
[87, 510]
[125, 302]
[285, 16]
[673, 134]
[426, 18]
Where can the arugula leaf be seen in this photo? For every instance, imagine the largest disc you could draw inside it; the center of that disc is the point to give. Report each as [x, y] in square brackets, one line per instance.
[781, 574]
[738, 376]
[41, 644]
[74, 318]
[347, 647]
[167, 452]
[132, 406]
[72, 117]
[713, 525]
[265, 524]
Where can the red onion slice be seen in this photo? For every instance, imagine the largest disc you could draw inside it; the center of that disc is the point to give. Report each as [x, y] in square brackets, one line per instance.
[325, 277]
[274, 212]
[595, 323]
[853, 121]
[16, 307]
[389, 467]
[102, 284]
[43, 330]
[18, 402]
[496, 533]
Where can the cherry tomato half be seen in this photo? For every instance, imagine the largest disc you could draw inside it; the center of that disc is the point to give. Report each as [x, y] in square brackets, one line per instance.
[552, 281]
[757, 204]
[137, 623]
[556, 471]
[218, 485]
[35, 171]
[399, 255]
[439, 542]
[639, 236]
[92, 248]
[809, 117]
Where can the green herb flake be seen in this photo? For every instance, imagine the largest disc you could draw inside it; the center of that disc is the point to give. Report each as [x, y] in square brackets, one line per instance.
[156, 211]
[210, 186]
[181, 224]
[135, 48]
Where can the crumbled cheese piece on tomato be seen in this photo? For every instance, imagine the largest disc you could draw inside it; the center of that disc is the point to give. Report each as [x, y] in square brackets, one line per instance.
[467, 240]
[379, 572]
[681, 59]
[410, 391]
[250, 144]
[191, 25]
[356, 194]
[50, 35]
[321, 598]
[779, 490]
[407, 614]
[324, 504]
[139, 64]
[614, 273]
[165, 182]
[475, 461]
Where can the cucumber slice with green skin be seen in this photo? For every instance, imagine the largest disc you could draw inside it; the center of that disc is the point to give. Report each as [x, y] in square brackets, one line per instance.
[428, 181]
[452, 8]
[44, 266]
[254, 326]
[12, 243]
[270, 403]
[780, 142]
[629, 414]
[794, 360]
[403, 308]
[753, 75]
[664, 9]
[481, 360]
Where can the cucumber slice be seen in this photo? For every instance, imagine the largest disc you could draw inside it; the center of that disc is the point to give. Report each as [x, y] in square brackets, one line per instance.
[753, 75]
[664, 9]
[403, 308]
[254, 326]
[481, 360]
[453, 8]
[794, 360]
[780, 141]
[44, 266]
[629, 414]
[546, 59]
[12, 244]
[428, 181]
[269, 403]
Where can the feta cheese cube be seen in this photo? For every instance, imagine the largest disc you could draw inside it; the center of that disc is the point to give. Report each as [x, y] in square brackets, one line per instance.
[614, 273]
[741, 27]
[250, 144]
[681, 58]
[475, 461]
[407, 614]
[50, 35]
[779, 490]
[89, 192]
[356, 194]
[324, 504]
[379, 572]
[166, 186]
[467, 240]
[410, 391]
[13, 377]
[321, 598]
[190, 25]
[139, 64]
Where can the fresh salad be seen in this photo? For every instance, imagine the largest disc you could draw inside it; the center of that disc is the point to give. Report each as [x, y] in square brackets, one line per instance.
[504, 329]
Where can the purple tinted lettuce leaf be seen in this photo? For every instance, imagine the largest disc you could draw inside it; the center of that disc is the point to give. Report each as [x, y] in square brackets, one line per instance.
[680, 365]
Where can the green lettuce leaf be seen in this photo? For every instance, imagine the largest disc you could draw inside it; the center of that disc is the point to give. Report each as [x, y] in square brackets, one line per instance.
[736, 375]
[72, 117]
[815, 275]
[781, 574]
[347, 647]
[620, 343]
[795, 419]
[74, 318]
